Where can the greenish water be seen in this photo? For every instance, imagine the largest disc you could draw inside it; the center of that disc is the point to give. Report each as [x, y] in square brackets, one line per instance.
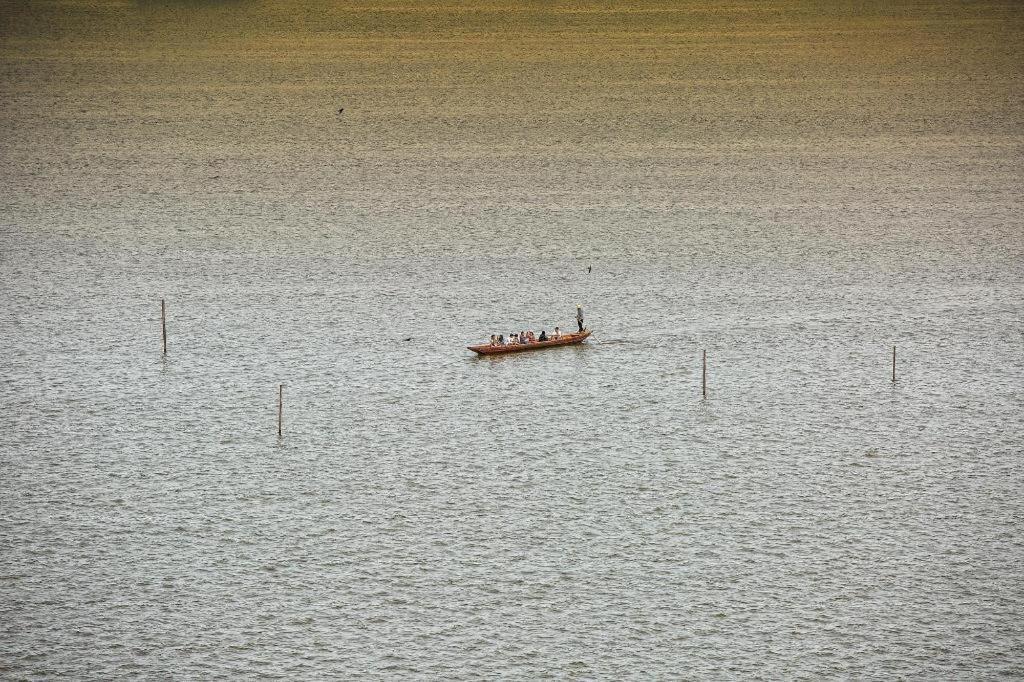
[794, 188]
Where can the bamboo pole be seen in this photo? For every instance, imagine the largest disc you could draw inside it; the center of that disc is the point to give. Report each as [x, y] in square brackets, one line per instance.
[704, 375]
[894, 364]
[280, 408]
[163, 323]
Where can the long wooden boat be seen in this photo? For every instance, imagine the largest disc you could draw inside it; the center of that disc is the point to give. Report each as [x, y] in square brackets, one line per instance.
[565, 340]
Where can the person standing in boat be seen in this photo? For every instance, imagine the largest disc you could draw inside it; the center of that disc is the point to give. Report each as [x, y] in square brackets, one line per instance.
[579, 317]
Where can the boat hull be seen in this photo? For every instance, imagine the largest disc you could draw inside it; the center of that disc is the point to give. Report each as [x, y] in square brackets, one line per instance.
[566, 340]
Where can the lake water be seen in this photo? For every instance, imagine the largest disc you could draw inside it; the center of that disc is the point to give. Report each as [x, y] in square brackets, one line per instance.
[794, 189]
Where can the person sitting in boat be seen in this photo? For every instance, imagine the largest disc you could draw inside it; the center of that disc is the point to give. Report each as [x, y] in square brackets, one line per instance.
[557, 334]
[501, 339]
[530, 336]
[513, 337]
[543, 335]
[523, 338]
[494, 340]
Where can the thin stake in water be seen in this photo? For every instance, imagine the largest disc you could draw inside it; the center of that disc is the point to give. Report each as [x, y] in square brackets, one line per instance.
[894, 364]
[704, 375]
[163, 323]
[280, 408]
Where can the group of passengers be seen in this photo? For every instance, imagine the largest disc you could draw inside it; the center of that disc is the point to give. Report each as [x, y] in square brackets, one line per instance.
[524, 338]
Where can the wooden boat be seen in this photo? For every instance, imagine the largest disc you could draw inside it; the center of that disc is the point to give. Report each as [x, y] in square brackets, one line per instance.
[565, 340]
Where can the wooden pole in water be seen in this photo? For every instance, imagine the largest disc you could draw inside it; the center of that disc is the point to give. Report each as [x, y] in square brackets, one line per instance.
[163, 323]
[704, 376]
[280, 408]
[894, 364]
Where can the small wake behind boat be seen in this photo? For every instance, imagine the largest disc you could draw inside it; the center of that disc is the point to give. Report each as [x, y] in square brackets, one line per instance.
[563, 340]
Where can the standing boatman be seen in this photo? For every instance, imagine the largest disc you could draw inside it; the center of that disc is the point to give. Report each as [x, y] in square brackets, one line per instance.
[579, 317]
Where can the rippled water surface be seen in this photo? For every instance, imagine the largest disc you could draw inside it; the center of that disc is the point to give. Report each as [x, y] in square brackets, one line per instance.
[794, 190]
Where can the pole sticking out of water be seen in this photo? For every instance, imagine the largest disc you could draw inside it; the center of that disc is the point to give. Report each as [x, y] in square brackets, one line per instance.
[704, 375]
[894, 364]
[280, 408]
[163, 323]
